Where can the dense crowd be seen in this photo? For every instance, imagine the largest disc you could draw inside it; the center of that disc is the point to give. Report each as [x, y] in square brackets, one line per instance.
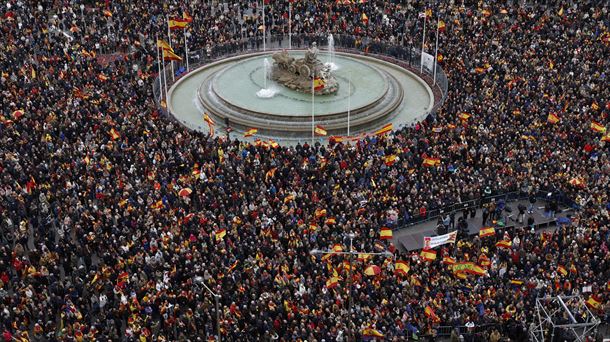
[98, 244]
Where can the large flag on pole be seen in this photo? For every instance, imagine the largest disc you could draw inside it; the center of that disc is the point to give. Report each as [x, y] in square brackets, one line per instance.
[170, 56]
[177, 23]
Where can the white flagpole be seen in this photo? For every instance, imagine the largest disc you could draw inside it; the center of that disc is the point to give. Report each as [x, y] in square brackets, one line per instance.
[264, 29]
[436, 48]
[349, 100]
[159, 66]
[423, 41]
[165, 80]
[169, 41]
[289, 24]
[313, 94]
[186, 51]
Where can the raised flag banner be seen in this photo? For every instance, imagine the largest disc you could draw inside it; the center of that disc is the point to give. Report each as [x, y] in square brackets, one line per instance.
[448, 260]
[504, 244]
[170, 56]
[552, 118]
[332, 282]
[250, 132]
[562, 270]
[177, 24]
[487, 231]
[385, 233]
[162, 44]
[320, 130]
[370, 333]
[434, 241]
[469, 267]
[372, 270]
[428, 254]
[597, 127]
[402, 267]
[385, 129]
[431, 162]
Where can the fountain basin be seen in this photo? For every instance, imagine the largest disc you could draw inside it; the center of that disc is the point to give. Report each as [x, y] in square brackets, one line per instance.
[380, 92]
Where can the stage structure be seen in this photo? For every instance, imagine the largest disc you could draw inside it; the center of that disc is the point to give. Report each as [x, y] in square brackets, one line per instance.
[563, 317]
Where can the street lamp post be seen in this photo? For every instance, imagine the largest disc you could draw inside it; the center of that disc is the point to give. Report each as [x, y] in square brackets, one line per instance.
[216, 299]
[351, 254]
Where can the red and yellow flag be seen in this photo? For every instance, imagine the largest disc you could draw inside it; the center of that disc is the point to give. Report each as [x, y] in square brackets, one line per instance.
[372, 270]
[428, 254]
[332, 282]
[562, 270]
[210, 123]
[107, 13]
[170, 56]
[114, 134]
[552, 118]
[597, 127]
[186, 17]
[250, 132]
[385, 129]
[504, 244]
[448, 260]
[594, 302]
[430, 314]
[487, 231]
[402, 267]
[431, 162]
[464, 116]
[330, 220]
[320, 130]
[365, 19]
[162, 44]
[220, 234]
[177, 23]
[385, 233]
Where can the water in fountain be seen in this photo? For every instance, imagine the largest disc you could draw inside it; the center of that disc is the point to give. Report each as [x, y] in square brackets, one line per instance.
[267, 92]
[331, 53]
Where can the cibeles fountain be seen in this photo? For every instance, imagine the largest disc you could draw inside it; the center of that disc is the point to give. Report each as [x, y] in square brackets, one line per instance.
[302, 74]
[272, 92]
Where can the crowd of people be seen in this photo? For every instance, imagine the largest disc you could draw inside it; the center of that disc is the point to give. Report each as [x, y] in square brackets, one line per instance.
[99, 242]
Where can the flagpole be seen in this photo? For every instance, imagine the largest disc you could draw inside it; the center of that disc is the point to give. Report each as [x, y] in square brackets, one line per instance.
[436, 48]
[169, 41]
[186, 51]
[165, 80]
[349, 98]
[313, 94]
[159, 66]
[289, 24]
[423, 41]
[264, 29]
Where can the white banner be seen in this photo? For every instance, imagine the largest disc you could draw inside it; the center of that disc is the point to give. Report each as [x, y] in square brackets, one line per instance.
[427, 60]
[434, 241]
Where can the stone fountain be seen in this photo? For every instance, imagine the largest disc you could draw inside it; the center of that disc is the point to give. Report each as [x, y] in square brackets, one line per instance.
[297, 74]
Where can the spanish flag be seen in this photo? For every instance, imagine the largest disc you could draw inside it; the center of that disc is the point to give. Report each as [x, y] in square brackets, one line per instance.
[114, 134]
[320, 130]
[504, 244]
[464, 116]
[320, 213]
[441, 26]
[597, 127]
[177, 24]
[107, 13]
[428, 254]
[369, 333]
[362, 257]
[448, 260]
[270, 174]
[337, 248]
[390, 160]
[372, 270]
[385, 129]
[330, 220]
[577, 181]
[332, 282]
[220, 234]
[516, 282]
[186, 17]
[487, 231]
[595, 105]
[562, 270]
[552, 118]
[170, 56]
[162, 44]
[430, 314]
[430, 162]
[402, 267]
[250, 132]
[593, 302]
[318, 84]
[606, 137]
[385, 233]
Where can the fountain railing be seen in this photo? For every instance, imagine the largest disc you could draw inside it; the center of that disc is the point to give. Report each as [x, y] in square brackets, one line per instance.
[406, 56]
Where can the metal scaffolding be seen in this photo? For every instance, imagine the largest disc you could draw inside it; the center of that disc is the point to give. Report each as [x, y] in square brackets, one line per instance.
[563, 317]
